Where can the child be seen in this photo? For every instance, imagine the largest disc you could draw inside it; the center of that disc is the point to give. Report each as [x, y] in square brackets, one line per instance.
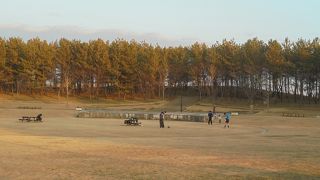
[219, 118]
[228, 117]
[215, 117]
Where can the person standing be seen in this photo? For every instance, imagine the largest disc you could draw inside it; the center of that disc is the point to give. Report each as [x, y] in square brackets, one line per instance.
[162, 119]
[210, 115]
[228, 117]
[219, 118]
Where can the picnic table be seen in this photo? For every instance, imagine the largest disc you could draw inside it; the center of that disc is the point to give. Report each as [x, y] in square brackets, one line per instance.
[132, 121]
[37, 118]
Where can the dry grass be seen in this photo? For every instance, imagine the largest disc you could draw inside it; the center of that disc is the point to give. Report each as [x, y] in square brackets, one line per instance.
[64, 147]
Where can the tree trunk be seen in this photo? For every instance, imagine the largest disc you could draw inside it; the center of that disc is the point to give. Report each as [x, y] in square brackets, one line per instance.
[17, 87]
[159, 88]
[301, 91]
[288, 88]
[67, 88]
[200, 93]
[295, 88]
[317, 91]
[269, 89]
[163, 90]
[281, 90]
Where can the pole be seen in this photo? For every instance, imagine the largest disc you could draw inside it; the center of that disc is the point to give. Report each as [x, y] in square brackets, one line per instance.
[180, 103]
[268, 102]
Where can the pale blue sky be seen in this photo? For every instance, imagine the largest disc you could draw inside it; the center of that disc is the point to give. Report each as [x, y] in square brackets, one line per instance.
[169, 22]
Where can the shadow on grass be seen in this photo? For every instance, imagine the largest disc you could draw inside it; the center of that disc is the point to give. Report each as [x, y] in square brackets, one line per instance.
[237, 172]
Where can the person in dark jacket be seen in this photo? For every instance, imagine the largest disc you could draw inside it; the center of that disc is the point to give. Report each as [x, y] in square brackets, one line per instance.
[162, 119]
[39, 117]
[210, 115]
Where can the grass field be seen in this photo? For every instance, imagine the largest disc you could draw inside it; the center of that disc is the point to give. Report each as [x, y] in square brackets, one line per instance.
[257, 146]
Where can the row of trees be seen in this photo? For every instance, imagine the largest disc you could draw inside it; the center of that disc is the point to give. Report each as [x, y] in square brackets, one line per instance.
[254, 70]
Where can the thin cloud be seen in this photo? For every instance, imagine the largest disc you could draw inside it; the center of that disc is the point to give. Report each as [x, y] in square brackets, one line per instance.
[54, 14]
[52, 33]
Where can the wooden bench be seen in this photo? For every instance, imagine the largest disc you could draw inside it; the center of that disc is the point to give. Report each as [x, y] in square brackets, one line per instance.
[28, 107]
[284, 114]
[37, 118]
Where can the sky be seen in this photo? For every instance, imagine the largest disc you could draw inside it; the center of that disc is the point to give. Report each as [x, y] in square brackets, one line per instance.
[166, 22]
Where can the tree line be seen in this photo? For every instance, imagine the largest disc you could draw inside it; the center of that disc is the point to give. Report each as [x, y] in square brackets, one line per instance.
[254, 70]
